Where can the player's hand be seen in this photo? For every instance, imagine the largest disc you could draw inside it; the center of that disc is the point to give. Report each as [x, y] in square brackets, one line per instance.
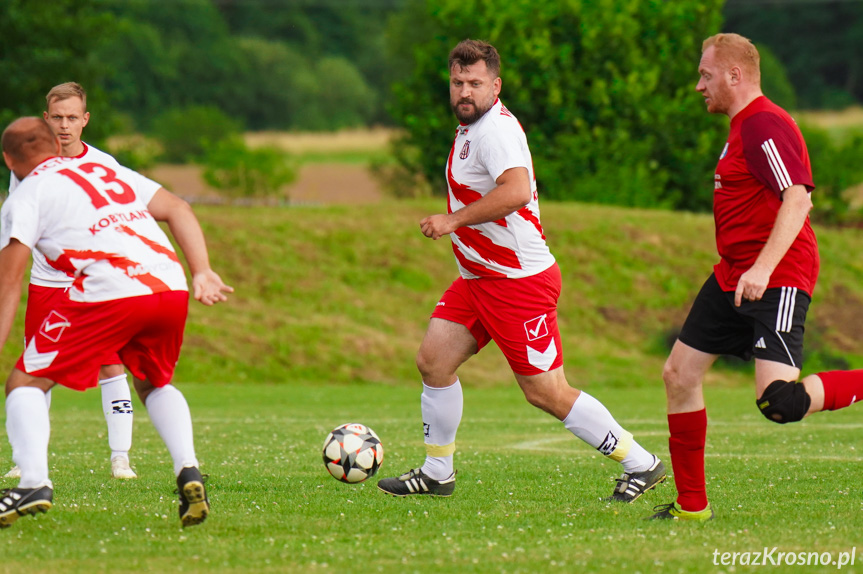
[751, 285]
[436, 226]
[208, 287]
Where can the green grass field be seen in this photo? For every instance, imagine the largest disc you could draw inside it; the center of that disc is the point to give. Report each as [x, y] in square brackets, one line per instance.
[528, 497]
[330, 306]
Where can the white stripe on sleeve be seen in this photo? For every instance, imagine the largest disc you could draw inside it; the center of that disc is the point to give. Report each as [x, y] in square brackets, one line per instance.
[776, 165]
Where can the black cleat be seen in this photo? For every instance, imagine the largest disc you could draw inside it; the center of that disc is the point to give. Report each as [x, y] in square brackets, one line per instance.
[194, 504]
[15, 502]
[632, 485]
[415, 481]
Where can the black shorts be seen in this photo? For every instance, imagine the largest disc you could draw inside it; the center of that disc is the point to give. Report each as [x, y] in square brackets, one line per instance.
[770, 329]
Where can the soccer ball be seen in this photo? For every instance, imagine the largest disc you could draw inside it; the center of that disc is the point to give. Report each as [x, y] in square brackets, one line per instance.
[353, 453]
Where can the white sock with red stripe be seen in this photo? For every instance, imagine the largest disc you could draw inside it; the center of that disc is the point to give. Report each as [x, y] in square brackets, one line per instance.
[170, 414]
[590, 421]
[29, 428]
[441, 410]
[117, 406]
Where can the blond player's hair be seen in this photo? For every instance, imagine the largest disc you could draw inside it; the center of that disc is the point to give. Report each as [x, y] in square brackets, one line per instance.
[66, 91]
[735, 50]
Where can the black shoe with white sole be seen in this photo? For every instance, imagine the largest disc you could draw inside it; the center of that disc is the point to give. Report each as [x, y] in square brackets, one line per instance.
[415, 481]
[15, 502]
[631, 485]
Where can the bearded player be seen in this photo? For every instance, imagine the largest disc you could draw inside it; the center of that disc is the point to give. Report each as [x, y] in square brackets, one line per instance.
[507, 291]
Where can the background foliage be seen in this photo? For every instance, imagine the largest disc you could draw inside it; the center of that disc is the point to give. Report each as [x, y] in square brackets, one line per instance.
[271, 65]
[57, 40]
[242, 172]
[604, 90]
[819, 42]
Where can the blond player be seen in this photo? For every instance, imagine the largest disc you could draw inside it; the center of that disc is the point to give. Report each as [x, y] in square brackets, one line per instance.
[67, 116]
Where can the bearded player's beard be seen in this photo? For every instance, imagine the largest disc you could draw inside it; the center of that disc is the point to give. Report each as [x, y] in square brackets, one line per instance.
[470, 117]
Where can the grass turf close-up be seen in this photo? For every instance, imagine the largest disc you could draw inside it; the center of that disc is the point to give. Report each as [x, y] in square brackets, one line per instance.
[528, 495]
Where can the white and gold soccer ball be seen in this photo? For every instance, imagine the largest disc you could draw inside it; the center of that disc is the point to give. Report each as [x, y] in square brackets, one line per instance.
[353, 453]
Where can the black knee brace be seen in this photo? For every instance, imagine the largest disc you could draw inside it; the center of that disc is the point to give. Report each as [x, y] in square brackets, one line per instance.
[784, 402]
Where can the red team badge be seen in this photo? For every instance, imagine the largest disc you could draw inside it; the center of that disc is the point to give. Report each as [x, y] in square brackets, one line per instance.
[53, 326]
[536, 328]
[465, 150]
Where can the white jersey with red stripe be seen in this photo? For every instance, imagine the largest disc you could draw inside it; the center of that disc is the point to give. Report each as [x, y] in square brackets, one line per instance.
[513, 246]
[43, 274]
[91, 223]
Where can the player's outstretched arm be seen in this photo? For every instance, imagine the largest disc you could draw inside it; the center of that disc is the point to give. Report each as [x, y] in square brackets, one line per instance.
[13, 263]
[207, 286]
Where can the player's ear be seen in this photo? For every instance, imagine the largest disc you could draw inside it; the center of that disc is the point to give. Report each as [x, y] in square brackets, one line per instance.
[45, 116]
[498, 83]
[735, 75]
[86, 119]
[8, 161]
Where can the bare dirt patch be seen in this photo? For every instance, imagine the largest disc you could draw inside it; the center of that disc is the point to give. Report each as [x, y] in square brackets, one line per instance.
[317, 183]
[342, 141]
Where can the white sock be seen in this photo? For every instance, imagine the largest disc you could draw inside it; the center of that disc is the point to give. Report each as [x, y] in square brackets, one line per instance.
[29, 428]
[590, 421]
[170, 414]
[441, 410]
[117, 406]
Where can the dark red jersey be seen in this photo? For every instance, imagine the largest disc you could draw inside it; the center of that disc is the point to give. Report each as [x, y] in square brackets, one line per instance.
[764, 156]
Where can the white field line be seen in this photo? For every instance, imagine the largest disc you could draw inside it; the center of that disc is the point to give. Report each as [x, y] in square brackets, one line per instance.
[545, 445]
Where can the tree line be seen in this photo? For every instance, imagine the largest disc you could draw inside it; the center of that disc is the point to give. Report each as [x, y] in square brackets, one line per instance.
[604, 89]
[268, 64]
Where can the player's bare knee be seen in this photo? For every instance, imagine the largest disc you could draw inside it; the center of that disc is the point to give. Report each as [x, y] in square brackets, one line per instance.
[111, 371]
[545, 398]
[672, 377]
[784, 401]
[420, 363]
[425, 365]
[535, 398]
[143, 388]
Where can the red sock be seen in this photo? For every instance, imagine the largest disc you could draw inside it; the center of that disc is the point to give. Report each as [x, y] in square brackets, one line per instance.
[688, 435]
[841, 389]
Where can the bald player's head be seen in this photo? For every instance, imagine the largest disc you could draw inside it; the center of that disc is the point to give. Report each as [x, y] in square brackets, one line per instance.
[26, 143]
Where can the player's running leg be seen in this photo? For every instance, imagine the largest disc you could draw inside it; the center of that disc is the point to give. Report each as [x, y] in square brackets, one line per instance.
[15, 472]
[117, 407]
[28, 428]
[834, 390]
[170, 414]
[445, 347]
[589, 420]
[687, 424]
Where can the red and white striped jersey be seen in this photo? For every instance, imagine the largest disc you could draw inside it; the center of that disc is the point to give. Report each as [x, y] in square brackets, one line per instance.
[765, 155]
[42, 273]
[91, 223]
[511, 247]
